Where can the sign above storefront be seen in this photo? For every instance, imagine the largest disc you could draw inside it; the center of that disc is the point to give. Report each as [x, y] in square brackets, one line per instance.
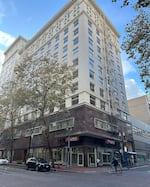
[109, 142]
[72, 139]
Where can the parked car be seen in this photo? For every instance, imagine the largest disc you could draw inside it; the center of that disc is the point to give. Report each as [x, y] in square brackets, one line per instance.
[4, 161]
[38, 164]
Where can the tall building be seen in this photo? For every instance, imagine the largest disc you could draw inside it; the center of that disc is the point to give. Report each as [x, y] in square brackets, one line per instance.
[140, 108]
[81, 34]
[11, 57]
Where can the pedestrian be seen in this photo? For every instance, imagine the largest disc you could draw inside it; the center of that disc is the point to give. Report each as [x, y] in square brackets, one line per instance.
[115, 163]
[98, 162]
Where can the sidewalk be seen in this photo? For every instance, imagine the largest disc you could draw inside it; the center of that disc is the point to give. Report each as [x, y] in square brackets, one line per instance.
[73, 169]
[77, 169]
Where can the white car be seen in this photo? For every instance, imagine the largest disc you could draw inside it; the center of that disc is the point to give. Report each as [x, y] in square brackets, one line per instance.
[3, 161]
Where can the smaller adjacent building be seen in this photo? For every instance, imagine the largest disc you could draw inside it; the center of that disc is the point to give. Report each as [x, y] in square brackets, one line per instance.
[140, 108]
[141, 137]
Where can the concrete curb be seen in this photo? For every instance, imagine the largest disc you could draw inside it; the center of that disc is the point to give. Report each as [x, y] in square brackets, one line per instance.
[79, 170]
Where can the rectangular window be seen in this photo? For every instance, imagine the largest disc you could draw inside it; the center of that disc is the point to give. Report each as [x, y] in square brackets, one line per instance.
[26, 117]
[55, 55]
[101, 92]
[76, 41]
[63, 124]
[57, 38]
[75, 62]
[115, 93]
[64, 58]
[76, 31]
[75, 86]
[28, 132]
[92, 99]
[89, 23]
[17, 134]
[75, 51]
[33, 131]
[98, 40]
[75, 100]
[48, 52]
[91, 63]
[37, 130]
[90, 32]
[76, 22]
[65, 31]
[92, 87]
[110, 46]
[98, 49]
[102, 125]
[91, 74]
[49, 45]
[91, 52]
[97, 32]
[66, 39]
[99, 59]
[75, 74]
[118, 67]
[122, 96]
[102, 105]
[65, 48]
[90, 42]
[100, 81]
[121, 86]
[100, 70]
[56, 46]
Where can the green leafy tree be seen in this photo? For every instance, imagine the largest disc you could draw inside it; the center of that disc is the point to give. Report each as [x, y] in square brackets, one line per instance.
[138, 3]
[136, 43]
[46, 84]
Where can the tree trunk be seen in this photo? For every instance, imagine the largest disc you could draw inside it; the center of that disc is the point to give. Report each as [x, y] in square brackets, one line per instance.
[47, 136]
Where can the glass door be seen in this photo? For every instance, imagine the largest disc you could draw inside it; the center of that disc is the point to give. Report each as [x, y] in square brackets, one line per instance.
[80, 159]
[106, 158]
[91, 158]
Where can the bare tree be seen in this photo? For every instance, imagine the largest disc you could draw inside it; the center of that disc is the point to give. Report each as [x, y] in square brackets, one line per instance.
[10, 105]
[45, 84]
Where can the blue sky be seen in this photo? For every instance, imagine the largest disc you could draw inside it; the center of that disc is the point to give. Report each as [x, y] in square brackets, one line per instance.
[27, 17]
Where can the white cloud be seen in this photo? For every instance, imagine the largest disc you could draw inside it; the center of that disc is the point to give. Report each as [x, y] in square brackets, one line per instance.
[128, 67]
[132, 89]
[1, 59]
[6, 39]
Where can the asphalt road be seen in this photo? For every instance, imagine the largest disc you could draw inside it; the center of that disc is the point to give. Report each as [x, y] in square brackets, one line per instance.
[14, 177]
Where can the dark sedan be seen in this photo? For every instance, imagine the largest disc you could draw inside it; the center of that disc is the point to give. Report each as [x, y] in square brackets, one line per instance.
[38, 164]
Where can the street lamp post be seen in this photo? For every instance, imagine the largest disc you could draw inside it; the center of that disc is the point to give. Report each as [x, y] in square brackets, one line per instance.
[122, 144]
[68, 148]
[30, 145]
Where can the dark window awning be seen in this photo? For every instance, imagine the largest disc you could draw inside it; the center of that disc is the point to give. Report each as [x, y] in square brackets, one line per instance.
[132, 153]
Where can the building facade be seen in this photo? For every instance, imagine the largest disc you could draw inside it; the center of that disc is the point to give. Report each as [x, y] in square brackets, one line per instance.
[140, 108]
[141, 136]
[97, 126]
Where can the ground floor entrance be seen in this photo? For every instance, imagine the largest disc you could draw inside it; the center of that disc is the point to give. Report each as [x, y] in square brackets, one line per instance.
[91, 156]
